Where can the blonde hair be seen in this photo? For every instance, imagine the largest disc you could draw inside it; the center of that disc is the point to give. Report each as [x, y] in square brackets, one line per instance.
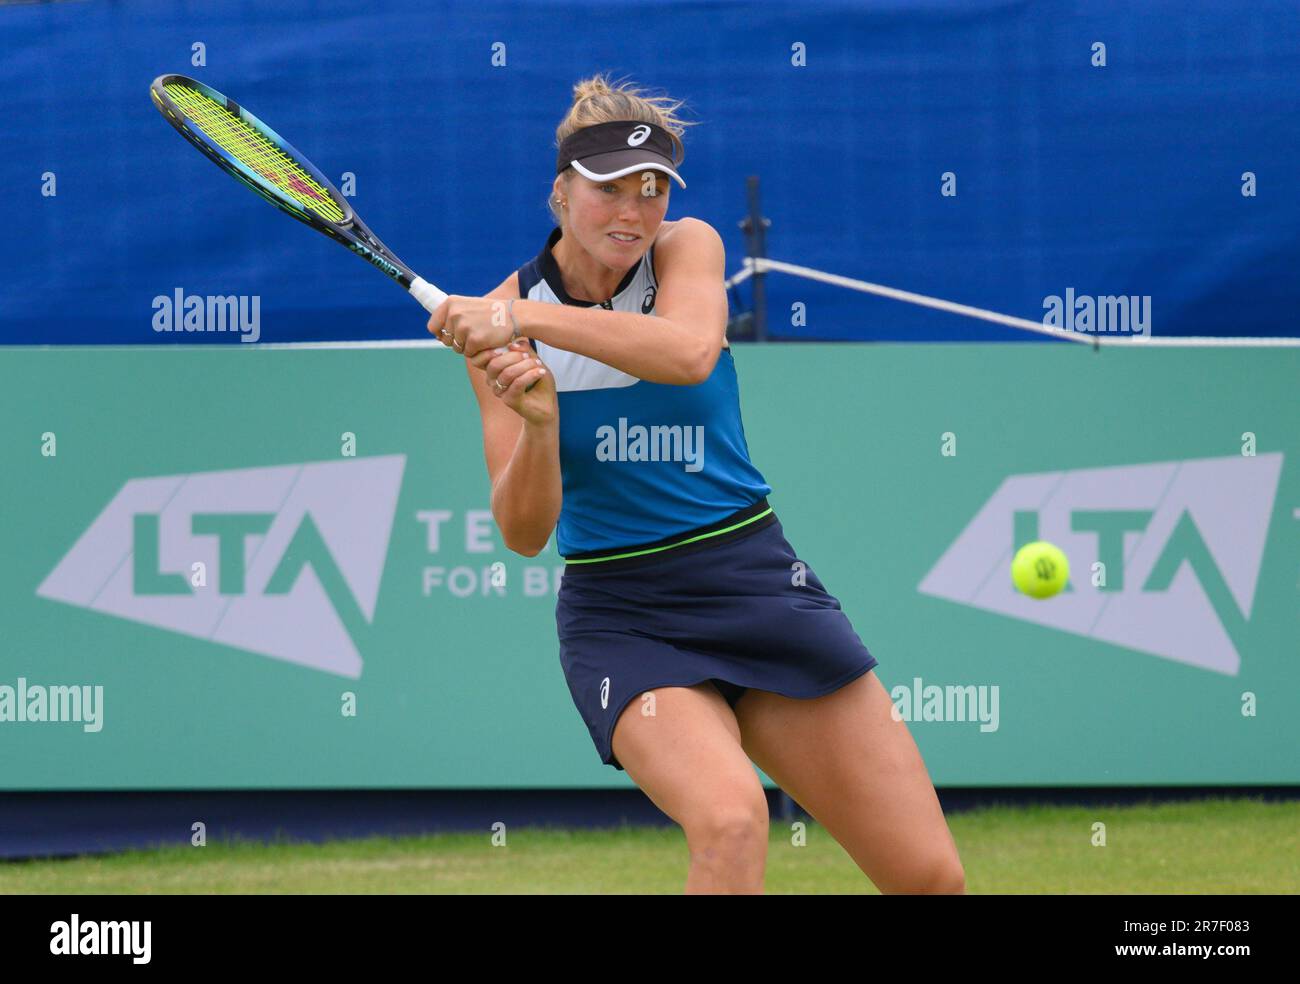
[597, 100]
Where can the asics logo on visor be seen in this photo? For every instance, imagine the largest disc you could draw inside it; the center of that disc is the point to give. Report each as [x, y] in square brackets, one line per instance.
[639, 136]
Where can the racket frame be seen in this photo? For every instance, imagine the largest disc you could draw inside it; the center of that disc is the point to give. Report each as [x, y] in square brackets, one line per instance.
[350, 231]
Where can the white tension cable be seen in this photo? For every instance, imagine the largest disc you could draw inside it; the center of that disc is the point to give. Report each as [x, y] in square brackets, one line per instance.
[753, 266]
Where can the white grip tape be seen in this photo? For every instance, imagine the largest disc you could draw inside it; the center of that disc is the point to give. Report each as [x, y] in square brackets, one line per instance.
[427, 294]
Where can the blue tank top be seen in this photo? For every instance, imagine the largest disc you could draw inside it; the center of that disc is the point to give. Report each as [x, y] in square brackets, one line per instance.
[640, 462]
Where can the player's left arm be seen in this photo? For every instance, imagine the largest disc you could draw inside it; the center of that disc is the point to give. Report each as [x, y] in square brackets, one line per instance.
[680, 343]
[691, 273]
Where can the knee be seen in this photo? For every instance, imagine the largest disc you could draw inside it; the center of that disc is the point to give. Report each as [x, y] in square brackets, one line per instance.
[730, 830]
[949, 880]
[942, 875]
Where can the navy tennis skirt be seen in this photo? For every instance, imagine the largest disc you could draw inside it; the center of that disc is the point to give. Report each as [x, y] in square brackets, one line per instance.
[738, 609]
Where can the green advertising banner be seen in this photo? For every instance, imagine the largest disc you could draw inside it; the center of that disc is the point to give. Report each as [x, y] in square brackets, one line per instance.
[259, 568]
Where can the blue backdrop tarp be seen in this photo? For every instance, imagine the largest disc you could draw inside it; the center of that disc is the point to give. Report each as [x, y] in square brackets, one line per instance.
[1117, 180]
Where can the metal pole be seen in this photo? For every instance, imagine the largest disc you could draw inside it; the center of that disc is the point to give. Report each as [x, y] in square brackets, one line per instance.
[755, 228]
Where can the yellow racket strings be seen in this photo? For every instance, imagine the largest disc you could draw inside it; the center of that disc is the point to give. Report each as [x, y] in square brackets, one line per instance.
[253, 149]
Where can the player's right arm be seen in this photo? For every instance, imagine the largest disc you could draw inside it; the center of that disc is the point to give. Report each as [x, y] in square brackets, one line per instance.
[521, 441]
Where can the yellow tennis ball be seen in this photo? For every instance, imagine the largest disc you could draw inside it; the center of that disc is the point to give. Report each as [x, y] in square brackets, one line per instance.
[1040, 569]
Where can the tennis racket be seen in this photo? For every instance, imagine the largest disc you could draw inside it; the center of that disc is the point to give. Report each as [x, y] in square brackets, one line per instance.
[250, 151]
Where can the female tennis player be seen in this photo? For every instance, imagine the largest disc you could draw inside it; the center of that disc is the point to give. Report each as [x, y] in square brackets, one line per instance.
[692, 638]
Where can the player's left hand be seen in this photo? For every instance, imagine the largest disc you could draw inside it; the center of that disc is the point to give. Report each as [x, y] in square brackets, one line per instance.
[469, 325]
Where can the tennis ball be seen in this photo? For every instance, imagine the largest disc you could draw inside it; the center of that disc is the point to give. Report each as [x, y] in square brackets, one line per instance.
[1040, 569]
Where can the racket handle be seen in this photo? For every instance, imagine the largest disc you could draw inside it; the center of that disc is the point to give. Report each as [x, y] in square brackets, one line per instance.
[427, 294]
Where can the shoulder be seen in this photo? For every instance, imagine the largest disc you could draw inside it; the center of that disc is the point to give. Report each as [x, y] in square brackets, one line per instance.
[691, 244]
[688, 232]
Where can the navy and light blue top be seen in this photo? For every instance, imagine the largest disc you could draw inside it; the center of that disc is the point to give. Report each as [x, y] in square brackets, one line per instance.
[644, 465]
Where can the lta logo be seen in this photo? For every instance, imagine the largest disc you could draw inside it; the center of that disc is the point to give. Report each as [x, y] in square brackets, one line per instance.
[1164, 558]
[283, 561]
